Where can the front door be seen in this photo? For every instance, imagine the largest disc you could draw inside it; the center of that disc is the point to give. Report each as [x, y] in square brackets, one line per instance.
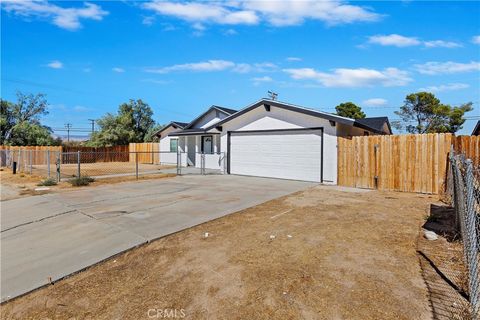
[207, 144]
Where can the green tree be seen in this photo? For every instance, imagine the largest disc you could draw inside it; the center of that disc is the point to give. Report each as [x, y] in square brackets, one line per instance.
[422, 112]
[20, 121]
[150, 136]
[350, 110]
[131, 124]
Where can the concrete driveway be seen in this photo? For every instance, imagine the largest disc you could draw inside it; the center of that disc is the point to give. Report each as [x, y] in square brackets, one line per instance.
[45, 238]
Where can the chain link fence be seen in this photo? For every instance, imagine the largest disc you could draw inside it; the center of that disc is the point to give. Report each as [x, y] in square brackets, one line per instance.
[106, 164]
[464, 191]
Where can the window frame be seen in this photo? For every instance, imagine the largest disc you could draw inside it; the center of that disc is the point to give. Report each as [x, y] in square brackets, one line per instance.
[176, 148]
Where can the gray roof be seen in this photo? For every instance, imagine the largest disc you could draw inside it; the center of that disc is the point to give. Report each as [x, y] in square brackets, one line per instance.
[286, 106]
[374, 123]
[476, 130]
[226, 111]
[175, 124]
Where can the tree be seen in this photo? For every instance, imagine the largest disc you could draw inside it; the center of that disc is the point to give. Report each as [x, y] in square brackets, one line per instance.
[350, 110]
[131, 124]
[20, 121]
[150, 136]
[422, 112]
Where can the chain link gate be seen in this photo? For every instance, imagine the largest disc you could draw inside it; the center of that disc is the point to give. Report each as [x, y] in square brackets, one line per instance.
[466, 202]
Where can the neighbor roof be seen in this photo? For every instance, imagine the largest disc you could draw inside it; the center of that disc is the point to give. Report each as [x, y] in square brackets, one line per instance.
[374, 123]
[476, 130]
[224, 110]
[175, 124]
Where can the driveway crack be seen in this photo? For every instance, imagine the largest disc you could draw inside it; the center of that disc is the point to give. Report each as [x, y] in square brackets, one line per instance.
[38, 220]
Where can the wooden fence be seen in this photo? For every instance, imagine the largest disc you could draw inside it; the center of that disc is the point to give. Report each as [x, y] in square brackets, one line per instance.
[410, 163]
[148, 152]
[38, 154]
[92, 154]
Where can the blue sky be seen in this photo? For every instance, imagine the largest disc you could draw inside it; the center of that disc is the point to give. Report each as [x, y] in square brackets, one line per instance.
[182, 57]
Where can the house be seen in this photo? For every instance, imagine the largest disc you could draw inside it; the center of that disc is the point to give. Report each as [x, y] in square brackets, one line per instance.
[269, 139]
[190, 141]
[476, 130]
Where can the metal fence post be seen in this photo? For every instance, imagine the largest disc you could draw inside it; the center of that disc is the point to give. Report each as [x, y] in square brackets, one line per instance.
[31, 164]
[136, 165]
[471, 241]
[19, 163]
[179, 163]
[48, 163]
[78, 164]
[58, 163]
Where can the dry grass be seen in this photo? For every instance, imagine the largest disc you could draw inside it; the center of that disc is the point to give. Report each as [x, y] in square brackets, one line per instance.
[349, 256]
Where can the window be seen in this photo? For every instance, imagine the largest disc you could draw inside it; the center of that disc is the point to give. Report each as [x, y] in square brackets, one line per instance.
[207, 144]
[173, 145]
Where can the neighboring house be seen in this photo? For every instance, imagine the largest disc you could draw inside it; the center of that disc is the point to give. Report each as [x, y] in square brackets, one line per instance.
[271, 139]
[476, 130]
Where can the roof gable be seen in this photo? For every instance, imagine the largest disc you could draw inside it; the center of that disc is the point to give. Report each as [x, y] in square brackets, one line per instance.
[174, 124]
[286, 106]
[225, 111]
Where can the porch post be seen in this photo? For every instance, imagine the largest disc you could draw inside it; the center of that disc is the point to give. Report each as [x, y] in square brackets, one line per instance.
[214, 141]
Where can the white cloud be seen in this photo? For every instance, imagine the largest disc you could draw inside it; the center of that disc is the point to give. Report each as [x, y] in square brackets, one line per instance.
[375, 102]
[259, 80]
[230, 32]
[433, 68]
[476, 39]
[202, 12]
[400, 41]
[87, 70]
[118, 70]
[205, 66]
[55, 64]
[446, 87]
[361, 77]
[216, 65]
[66, 18]
[394, 40]
[276, 13]
[293, 59]
[148, 21]
[80, 109]
[441, 44]
[291, 12]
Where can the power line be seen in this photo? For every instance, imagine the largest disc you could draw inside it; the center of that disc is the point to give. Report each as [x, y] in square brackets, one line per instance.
[93, 124]
[68, 126]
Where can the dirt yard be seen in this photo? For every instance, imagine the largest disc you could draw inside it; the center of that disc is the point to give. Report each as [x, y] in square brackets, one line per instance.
[23, 185]
[324, 253]
[100, 168]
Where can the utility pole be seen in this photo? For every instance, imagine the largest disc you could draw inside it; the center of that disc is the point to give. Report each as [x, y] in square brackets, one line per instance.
[93, 124]
[273, 95]
[68, 126]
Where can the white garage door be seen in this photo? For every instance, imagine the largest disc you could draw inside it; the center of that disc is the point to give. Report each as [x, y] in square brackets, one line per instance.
[289, 154]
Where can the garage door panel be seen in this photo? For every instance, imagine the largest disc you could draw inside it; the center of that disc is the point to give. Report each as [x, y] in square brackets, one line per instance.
[280, 154]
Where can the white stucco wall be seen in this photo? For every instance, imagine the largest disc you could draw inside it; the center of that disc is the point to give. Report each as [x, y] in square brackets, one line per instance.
[167, 157]
[277, 118]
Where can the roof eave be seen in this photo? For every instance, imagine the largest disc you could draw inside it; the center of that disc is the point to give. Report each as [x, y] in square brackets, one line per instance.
[285, 106]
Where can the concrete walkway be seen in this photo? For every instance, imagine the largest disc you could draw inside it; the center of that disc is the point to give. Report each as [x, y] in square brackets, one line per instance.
[45, 238]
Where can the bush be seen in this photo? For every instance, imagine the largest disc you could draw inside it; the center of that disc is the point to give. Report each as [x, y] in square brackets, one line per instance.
[48, 182]
[81, 181]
